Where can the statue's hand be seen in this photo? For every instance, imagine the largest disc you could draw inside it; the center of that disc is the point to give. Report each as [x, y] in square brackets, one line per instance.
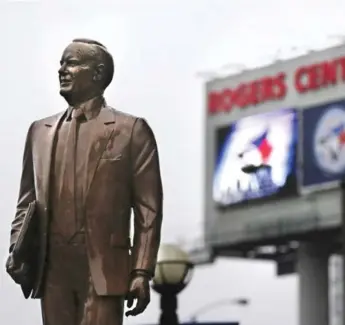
[18, 272]
[139, 289]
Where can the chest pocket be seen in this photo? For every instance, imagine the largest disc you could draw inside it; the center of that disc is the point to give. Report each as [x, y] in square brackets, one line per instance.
[114, 167]
[112, 158]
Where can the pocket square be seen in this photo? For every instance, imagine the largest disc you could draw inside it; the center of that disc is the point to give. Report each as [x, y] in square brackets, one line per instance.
[116, 158]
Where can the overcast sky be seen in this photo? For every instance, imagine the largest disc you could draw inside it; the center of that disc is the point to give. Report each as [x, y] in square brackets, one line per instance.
[159, 46]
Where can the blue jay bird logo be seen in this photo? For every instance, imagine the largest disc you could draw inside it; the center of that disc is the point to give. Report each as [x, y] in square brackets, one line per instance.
[329, 140]
[264, 147]
[255, 157]
[336, 134]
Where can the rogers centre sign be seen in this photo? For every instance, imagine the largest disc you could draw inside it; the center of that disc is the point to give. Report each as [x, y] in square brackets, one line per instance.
[306, 79]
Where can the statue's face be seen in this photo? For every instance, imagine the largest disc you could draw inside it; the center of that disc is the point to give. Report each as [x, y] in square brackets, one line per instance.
[77, 72]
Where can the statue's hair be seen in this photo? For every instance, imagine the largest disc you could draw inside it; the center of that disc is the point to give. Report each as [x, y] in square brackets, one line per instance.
[106, 58]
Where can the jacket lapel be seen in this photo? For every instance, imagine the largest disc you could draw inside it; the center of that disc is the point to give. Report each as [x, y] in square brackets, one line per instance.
[47, 152]
[104, 132]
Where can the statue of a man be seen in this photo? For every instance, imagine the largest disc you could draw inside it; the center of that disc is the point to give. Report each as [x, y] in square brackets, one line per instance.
[87, 168]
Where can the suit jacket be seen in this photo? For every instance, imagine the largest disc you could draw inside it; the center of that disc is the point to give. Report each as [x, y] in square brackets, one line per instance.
[123, 174]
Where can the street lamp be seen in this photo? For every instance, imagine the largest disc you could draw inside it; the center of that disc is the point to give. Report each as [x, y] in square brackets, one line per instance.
[173, 273]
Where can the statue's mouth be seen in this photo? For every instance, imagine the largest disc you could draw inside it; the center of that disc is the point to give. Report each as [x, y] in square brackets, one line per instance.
[65, 83]
[65, 80]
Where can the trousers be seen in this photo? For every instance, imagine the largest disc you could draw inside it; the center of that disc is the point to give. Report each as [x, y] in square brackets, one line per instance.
[69, 297]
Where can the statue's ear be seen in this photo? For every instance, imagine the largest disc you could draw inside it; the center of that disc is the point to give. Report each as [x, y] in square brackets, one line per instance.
[99, 72]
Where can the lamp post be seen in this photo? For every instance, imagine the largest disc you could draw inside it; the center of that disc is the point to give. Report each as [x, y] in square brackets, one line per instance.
[173, 273]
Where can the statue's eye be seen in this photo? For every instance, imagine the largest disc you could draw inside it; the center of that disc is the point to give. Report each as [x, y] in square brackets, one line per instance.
[72, 63]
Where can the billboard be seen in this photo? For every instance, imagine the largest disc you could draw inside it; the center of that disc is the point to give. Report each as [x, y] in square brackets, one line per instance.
[256, 158]
[324, 143]
[250, 189]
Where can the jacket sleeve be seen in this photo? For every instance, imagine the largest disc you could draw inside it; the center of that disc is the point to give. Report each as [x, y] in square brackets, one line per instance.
[26, 189]
[147, 199]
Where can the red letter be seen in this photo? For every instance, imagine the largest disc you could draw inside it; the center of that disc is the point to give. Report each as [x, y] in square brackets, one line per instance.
[314, 82]
[226, 100]
[300, 84]
[212, 102]
[254, 91]
[267, 89]
[279, 85]
[341, 62]
[328, 73]
[241, 96]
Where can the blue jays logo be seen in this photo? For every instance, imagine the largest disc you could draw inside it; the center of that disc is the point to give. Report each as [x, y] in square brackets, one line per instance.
[263, 148]
[255, 159]
[329, 141]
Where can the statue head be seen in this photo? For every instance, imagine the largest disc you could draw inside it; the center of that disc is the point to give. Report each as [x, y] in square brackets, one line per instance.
[86, 70]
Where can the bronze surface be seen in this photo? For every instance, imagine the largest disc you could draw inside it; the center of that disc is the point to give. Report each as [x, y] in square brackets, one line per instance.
[115, 170]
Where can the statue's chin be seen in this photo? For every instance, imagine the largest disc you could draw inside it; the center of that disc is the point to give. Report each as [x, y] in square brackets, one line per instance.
[64, 92]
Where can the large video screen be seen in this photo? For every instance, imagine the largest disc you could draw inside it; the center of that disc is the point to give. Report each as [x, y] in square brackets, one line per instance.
[256, 158]
[323, 143]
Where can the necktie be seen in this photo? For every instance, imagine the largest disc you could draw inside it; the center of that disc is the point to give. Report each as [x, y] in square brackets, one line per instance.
[69, 179]
[77, 113]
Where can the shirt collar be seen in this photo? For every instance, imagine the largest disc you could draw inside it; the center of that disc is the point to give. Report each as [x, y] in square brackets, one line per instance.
[90, 108]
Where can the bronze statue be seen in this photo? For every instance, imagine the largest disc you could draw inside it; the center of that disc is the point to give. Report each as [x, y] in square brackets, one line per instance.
[85, 169]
